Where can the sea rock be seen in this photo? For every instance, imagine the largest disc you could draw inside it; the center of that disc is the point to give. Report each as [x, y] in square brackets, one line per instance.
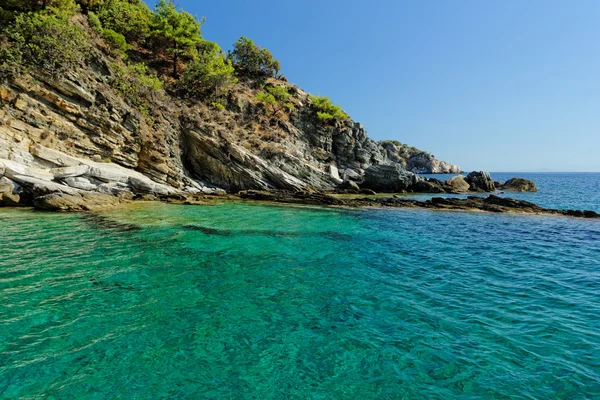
[388, 178]
[428, 186]
[457, 184]
[39, 187]
[80, 201]
[520, 185]
[480, 181]
[9, 192]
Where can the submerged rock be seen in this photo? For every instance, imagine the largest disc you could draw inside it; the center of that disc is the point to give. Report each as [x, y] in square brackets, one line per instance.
[520, 185]
[82, 201]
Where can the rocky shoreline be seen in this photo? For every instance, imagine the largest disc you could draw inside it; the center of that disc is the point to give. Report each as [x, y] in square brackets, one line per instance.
[60, 182]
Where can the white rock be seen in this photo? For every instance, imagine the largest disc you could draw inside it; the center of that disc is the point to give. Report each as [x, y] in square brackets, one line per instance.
[54, 156]
[80, 183]
[70, 172]
[39, 186]
[11, 169]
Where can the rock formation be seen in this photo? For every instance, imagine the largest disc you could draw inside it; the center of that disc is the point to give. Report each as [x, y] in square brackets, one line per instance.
[480, 181]
[416, 160]
[519, 185]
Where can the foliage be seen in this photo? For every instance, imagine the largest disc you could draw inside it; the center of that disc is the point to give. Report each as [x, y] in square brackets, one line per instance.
[47, 40]
[209, 76]
[10, 60]
[95, 22]
[116, 41]
[326, 110]
[277, 97]
[130, 18]
[135, 83]
[179, 29]
[252, 61]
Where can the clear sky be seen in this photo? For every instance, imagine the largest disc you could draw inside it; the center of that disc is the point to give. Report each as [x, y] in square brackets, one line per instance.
[505, 85]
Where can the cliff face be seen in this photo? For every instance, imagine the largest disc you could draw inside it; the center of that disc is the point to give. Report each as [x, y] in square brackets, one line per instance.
[416, 160]
[81, 120]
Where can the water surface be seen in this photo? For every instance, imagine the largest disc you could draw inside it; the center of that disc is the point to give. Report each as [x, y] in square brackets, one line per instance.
[245, 301]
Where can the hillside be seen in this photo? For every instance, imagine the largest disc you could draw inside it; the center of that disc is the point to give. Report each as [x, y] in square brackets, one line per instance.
[134, 101]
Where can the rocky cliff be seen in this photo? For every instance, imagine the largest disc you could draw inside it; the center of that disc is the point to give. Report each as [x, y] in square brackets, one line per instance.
[114, 145]
[417, 161]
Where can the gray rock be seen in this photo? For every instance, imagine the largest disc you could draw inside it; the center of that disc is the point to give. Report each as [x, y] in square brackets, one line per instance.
[69, 172]
[428, 186]
[388, 178]
[520, 185]
[457, 184]
[480, 181]
[80, 183]
[349, 186]
[12, 169]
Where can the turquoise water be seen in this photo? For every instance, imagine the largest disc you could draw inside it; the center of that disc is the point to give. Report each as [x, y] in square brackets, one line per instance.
[246, 301]
[562, 190]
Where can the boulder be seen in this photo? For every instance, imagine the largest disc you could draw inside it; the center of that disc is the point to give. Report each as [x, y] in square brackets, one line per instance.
[520, 185]
[480, 181]
[457, 184]
[9, 192]
[349, 186]
[388, 178]
[39, 187]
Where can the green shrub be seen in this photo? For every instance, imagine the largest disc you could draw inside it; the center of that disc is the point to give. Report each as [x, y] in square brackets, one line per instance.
[326, 110]
[209, 76]
[116, 41]
[130, 18]
[252, 61]
[47, 40]
[135, 83]
[95, 23]
[10, 59]
[277, 97]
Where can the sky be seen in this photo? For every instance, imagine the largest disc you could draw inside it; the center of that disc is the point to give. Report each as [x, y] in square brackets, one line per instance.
[505, 85]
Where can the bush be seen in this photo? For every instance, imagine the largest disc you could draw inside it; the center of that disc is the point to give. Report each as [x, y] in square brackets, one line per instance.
[10, 59]
[209, 76]
[130, 18]
[95, 22]
[251, 61]
[117, 42]
[326, 110]
[47, 40]
[135, 83]
[277, 97]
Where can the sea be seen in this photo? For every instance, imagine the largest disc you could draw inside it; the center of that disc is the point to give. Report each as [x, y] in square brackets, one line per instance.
[240, 300]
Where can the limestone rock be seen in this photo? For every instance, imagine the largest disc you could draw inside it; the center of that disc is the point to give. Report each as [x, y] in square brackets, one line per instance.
[70, 172]
[388, 178]
[79, 182]
[12, 169]
[520, 185]
[480, 181]
[457, 184]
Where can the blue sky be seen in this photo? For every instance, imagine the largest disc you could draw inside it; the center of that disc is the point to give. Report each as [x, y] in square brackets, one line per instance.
[510, 85]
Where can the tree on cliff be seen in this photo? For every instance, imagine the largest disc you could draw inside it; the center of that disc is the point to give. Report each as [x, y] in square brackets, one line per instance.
[251, 61]
[180, 31]
[209, 75]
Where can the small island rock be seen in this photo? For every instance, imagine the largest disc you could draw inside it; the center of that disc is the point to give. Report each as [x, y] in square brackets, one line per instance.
[520, 185]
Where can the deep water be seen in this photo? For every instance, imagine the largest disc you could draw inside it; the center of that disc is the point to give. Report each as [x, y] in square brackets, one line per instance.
[247, 301]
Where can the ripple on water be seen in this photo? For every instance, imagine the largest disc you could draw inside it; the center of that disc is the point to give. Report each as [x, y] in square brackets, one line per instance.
[247, 301]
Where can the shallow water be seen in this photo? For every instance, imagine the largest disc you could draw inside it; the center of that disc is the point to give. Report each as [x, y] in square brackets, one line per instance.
[561, 190]
[245, 301]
